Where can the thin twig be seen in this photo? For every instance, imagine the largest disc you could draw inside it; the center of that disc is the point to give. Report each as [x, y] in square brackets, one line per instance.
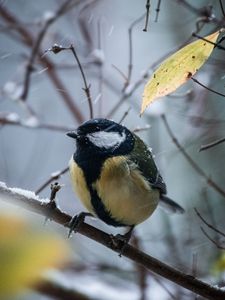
[221, 6]
[209, 89]
[86, 86]
[124, 115]
[56, 49]
[140, 81]
[207, 224]
[161, 283]
[157, 11]
[36, 45]
[101, 76]
[54, 176]
[4, 120]
[147, 14]
[217, 45]
[195, 166]
[139, 129]
[211, 145]
[130, 35]
[142, 272]
[212, 240]
[27, 39]
[56, 290]
[185, 280]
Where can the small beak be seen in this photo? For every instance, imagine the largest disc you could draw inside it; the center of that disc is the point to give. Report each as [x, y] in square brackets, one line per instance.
[72, 134]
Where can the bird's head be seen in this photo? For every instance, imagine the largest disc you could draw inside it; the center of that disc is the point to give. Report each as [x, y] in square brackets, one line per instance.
[103, 137]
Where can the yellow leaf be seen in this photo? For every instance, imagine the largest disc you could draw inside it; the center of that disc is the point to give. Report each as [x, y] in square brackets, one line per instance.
[177, 69]
[25, 253]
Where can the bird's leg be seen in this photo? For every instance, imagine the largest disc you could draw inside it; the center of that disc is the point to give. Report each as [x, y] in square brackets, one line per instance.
[76, 221]
[120, 241]
[125, 237]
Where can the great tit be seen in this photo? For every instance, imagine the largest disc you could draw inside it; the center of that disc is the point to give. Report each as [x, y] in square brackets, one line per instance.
[114, 174]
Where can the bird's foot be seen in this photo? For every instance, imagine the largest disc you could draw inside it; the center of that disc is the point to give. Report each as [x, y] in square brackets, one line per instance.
[76, 221]
[120, 241]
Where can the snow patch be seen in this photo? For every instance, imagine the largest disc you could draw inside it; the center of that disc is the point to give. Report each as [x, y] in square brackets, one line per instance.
[13, 90]
[22, 192]
[32, 121]
[98, 56]
[48, 15]
[128, 89]
[12, 117]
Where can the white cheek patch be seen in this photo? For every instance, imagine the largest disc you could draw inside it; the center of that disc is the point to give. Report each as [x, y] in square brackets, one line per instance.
[107, 140]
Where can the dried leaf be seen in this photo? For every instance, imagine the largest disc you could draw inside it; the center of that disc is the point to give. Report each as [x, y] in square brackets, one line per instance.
[177, 69]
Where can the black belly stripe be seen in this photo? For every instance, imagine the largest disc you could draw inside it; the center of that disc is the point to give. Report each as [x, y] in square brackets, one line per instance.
[101, 211]
[92, 171]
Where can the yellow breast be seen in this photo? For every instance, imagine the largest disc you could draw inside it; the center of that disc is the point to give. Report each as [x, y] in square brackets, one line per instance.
[79, 185]
[125, 193]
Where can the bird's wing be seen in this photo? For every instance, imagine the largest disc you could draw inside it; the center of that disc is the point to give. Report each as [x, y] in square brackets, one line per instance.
[142, 156]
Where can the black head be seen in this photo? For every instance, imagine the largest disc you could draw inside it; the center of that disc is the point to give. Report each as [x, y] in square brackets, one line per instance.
[102, 137]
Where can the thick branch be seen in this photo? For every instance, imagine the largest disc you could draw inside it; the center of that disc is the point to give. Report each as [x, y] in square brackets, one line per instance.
[187, 281]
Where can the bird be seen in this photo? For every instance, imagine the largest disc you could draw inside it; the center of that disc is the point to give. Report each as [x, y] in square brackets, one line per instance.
[114, 174]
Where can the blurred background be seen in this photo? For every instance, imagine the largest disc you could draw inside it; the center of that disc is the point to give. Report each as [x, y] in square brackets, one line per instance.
[42, 97]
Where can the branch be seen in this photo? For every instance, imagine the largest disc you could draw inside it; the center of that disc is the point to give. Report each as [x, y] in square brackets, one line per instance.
[211, 240]
[211, 145]
[209, 89]
[86, 86]
[195, 166]
[130, 66]
[27, 39]
[217, 45]
[221, 6]
[54, 176]
[5, 119]
[56, 290]
[207, 224]
[147, 14]
[35, 204]
[56, 49]
[157, 11]
[37, 43]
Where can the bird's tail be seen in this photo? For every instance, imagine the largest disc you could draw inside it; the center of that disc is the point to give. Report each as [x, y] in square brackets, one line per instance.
[170, 205]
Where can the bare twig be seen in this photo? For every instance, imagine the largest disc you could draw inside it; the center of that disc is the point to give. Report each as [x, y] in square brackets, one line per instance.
[212, 240]
[211, 145]
[130, 35]
[142, 272]
[4, 120]
[207, 224]
[222, 8]
[217, 45]
[209, 89]
[139, 129]
[195, 166]
[86, 86]
[140, 81]
[185, 280]
[147, 14]
[27, 39]
[124, 115]
[36, 45]
[157, 10]
[56, 49]
[58, 291]
[54, 176]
